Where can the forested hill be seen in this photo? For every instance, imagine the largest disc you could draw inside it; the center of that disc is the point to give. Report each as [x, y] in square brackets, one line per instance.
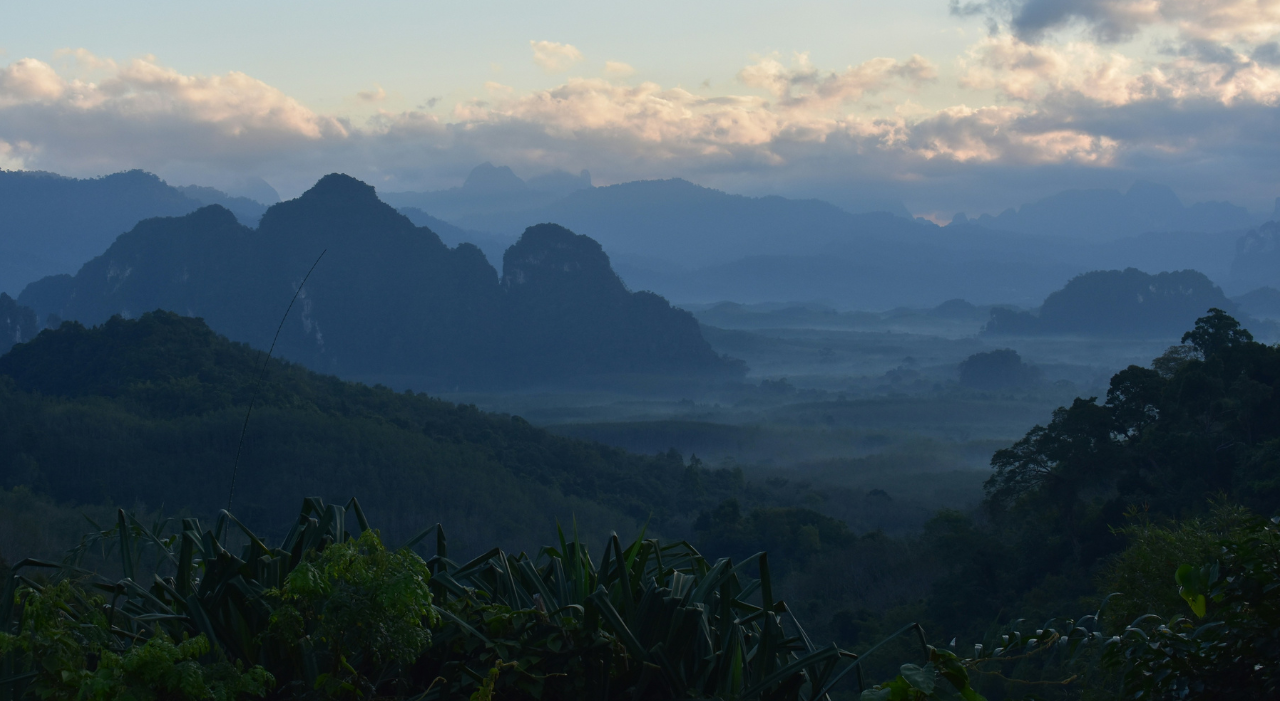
[388, 300]
[53, 224]
[1118, 303]
[17, 323]
[148, 412]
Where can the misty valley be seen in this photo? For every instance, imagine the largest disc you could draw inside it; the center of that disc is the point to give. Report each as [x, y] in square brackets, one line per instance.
[649, 440]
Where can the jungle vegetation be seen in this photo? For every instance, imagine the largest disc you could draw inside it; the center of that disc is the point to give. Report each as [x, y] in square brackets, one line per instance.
[1123, 547]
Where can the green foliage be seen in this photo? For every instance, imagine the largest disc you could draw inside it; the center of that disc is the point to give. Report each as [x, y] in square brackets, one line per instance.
[358, 601]
[1165, 441]
[1230, 651]
[159, 670]
[943, 677]
[62, 645]
[332, 613]
[1139, 576]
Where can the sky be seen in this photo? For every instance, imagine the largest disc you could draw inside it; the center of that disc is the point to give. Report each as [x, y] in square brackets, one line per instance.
[946, 105]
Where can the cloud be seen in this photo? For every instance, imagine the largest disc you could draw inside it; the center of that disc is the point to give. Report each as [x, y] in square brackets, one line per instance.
[1066, 115]
[142, 114]
[1109, 21]
[11, 156]
[1038, 73]
[29, 80]
[803, 86]
[554, 58]
[375, 95]
[617, 68]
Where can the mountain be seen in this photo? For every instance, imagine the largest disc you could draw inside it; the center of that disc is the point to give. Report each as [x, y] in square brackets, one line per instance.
[247, 211]
[148, 413]
[678, 221]
[492, 190]
[53, 224]
[1263, 302]
[17, 323]
[1257, 260]
[640, 218]
[567, 307]
[700, 245]
[1110, 214]
[388, 300]
[1118, 303]
[493, 245]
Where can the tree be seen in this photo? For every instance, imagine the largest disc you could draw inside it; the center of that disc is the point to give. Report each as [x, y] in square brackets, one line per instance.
[1216, 332]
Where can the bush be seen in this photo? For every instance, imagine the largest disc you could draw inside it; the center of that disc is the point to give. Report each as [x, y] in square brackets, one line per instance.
[1228, 648]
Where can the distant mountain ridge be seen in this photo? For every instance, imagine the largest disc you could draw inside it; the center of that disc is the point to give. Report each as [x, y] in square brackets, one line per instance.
[1263, 302]
[54, 224]
[1257, 259]
[491, 189]
[389, 299]
[1117, 303]
[699, 245]
[695, 225]
[1109, 214]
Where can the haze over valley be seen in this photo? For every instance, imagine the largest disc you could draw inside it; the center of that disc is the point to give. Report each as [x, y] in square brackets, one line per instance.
[816, 352]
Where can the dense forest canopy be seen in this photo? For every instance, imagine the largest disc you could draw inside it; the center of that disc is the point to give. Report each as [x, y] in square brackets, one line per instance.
[149, 412]
[389, 299]
[1201, 423]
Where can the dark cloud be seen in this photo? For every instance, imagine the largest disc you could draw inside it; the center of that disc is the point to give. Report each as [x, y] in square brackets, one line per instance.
[1106, 18]
[1267, 54]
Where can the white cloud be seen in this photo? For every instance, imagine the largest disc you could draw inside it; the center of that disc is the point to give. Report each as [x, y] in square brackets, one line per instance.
[1040, 73]
[554, 58]
[1075, 109]
[29, 80]
[618, 68]
[803, 86]
[141, 114]
[11, 156]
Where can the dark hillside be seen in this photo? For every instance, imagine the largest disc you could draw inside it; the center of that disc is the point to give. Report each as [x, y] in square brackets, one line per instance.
[53, 224]
[1118, 303]
[17, 323]
[149, 412]
[567, 309]
[388, 299]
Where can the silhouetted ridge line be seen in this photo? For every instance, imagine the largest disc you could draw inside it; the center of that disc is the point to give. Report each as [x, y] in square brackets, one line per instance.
[1122, 303]
[396, 304]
